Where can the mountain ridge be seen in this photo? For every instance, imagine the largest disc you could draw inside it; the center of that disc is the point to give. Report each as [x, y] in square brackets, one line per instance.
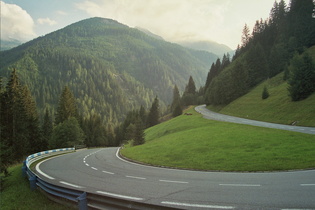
[110, 67]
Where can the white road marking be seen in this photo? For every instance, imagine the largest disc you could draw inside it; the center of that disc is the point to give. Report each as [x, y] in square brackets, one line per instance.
[94, 168]
[241, 185]
[136, 177]
[120, 196]
[42, 173]
[297, 209]
[305, 185]
[72, 185]
[179, 182]
[107, 172]
[198, 205]
[87, 164]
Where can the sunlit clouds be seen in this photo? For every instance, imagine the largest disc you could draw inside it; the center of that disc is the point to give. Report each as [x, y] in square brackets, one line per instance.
[175, 20]
[16, 23]
[221, 21]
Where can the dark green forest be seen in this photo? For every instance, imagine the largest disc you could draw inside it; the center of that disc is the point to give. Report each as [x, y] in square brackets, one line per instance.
[273, 46]
[110, 68]
[22, 132]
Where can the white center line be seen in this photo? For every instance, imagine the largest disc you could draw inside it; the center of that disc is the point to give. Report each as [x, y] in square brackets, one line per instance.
[120, 196]
[94, 168]
[72, 185]
[136, 177]
[241, 185]
[180, 182]
[305, 185]
[107, 172]
[197, 205]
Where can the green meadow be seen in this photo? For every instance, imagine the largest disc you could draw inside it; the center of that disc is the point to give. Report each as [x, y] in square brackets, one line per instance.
[192, 142]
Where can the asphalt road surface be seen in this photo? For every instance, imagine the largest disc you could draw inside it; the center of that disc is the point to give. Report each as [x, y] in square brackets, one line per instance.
[101, 171]
[226, 118]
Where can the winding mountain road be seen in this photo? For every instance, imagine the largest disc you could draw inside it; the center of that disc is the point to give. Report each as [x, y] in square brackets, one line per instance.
[226, 118]
[102, 171]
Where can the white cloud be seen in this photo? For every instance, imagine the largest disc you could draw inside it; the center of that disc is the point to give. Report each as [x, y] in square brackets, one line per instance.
[48, 21]
[16, 23]
[60, 12]
[176, 20]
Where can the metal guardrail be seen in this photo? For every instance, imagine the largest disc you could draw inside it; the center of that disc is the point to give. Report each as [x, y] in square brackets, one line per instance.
[40, 155]
[74, 198]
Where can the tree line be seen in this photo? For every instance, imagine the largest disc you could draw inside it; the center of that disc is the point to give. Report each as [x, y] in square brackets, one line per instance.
[22, 132]
[275, 45]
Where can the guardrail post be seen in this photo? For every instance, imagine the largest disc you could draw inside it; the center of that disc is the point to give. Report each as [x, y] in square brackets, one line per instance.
[24, 168]
[82, 202]
[33, 182]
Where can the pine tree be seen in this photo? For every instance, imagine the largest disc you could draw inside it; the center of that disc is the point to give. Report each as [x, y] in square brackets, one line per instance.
[302, 24]
[191, 87]
[302, 77]
[154, 114]
[67, 106]
[14, 119]
[67, 134]
[5, 150]
[190, 94]
[245, 36]
[95, 131]
[258, 64]
[176, 106]
[265, 93]
[142, 114]
[139, 137]
[47, 128]
[33, 133]
[177, 110]
[214, 71]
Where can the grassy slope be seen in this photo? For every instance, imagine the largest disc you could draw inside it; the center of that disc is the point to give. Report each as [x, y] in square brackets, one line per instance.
[196, 143]
[17, 194]
[277, 108]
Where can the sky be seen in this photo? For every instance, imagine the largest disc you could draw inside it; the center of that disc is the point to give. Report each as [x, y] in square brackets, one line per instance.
[221, 21]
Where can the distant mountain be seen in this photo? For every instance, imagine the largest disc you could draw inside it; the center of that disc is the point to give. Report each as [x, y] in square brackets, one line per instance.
[149, 33]
[213, 47]
[110, 67]
[6, 45]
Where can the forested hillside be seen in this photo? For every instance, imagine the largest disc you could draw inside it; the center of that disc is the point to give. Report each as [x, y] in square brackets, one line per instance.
[110, 68]
[275, 45]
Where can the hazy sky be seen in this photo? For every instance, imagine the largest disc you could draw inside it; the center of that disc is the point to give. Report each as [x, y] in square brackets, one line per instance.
[221, 21]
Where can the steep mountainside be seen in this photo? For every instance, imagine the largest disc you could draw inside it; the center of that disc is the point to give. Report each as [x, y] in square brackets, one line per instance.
[110, 67]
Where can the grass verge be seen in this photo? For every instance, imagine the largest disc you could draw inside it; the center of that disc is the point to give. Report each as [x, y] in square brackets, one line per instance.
[17, 194]
[191, 142]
